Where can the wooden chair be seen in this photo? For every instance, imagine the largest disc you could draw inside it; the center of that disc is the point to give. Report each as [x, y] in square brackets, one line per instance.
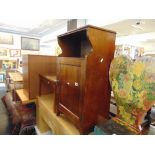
[133, 85]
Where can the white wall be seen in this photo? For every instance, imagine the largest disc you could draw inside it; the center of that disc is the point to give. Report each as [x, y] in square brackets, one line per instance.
[16, 45]
[145, 40]
[49, 42]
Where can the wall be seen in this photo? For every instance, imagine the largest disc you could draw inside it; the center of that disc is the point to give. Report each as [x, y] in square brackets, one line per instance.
[48, 42]
[16, 45]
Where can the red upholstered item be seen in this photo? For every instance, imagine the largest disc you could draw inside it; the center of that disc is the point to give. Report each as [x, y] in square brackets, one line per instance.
[20, 115]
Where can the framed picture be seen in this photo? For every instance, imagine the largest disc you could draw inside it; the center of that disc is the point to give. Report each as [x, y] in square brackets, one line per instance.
[6, 38]
[15, 53]
[30, 44]
[4, 52]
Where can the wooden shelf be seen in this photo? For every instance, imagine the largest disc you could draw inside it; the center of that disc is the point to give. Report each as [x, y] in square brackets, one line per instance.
[59, 125]
[23, 96]
[51, 78]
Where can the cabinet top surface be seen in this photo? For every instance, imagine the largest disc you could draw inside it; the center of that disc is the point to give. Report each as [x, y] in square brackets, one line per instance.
[85, 28]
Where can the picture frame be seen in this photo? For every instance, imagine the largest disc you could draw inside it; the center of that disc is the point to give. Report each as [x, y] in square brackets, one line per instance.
[15, 53]
[6, 38]
[30, 44]
[4, 52]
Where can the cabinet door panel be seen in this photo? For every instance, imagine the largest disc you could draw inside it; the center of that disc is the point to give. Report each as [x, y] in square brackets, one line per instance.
[70, 87]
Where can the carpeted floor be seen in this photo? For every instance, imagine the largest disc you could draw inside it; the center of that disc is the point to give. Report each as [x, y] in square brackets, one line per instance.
[4, 117]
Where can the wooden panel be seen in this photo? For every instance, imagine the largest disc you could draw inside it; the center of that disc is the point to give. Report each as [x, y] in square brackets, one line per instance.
[47, 84]
[71, 86]
[33, 66]
[69, 82]
[23, 96]
[98, 65]
[26, 72]
[58, 125]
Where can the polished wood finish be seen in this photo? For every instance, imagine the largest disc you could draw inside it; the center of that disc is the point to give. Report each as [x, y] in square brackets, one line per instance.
[33, 65]
[83, 75]
[22, 94]
[47, 119]
[47, 84]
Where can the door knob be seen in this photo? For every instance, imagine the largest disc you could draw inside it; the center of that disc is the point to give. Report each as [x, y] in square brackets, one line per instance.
[76, 84]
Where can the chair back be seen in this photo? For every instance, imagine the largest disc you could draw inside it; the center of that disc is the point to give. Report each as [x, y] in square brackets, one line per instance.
[133, 85]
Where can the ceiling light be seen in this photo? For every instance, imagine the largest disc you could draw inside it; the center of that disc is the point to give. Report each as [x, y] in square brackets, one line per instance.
[137, 26]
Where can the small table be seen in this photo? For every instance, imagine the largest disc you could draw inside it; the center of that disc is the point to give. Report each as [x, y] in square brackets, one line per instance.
[17, 82]
[15, 76]
[22, 94]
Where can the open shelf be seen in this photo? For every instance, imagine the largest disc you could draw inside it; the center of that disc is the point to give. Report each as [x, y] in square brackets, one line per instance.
[75, 44]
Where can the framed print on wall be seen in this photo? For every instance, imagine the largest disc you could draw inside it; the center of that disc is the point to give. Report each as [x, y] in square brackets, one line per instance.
[30, 44]
[4, 52]
[15, 53]
[6, 38]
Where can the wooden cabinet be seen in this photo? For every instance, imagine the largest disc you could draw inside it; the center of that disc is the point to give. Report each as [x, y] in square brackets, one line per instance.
[83, 74]
[33, 65]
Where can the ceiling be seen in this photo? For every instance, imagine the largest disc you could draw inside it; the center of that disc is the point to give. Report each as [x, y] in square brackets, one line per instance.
[134, 31]
[35, 28]
[41, 27]
[133, 26]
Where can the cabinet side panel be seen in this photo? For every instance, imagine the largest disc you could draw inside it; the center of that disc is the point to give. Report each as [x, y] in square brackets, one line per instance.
[97, 97]
[39, 65]
[25, 71]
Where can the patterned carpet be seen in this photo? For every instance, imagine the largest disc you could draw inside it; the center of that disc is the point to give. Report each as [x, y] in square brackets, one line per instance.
[4, 117]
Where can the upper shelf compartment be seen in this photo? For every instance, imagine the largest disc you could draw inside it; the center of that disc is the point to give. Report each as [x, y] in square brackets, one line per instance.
[80, 42]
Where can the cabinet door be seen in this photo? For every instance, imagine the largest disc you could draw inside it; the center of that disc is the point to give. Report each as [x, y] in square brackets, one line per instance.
[70, 76]
[70, 87]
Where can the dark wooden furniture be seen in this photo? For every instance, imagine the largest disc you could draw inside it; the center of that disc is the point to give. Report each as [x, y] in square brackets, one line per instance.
[45, 111]
[47, 84]
[33, 65]
[83, 75]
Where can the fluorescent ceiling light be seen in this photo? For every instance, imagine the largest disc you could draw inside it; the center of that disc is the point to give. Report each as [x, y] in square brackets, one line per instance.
[137, 27]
